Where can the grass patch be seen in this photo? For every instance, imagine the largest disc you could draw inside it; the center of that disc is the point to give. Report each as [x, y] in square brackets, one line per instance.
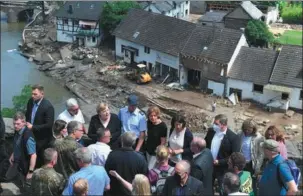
[291, 37]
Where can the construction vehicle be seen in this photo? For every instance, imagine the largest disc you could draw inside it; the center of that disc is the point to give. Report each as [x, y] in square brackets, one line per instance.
[139, 74]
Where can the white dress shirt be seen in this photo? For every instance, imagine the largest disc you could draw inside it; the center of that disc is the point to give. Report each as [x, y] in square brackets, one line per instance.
[67, 117]
[216, 143]
[100, 152]
[238, 193]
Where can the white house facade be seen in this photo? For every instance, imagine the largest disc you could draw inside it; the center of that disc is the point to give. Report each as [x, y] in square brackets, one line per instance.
[158, 63]
[74, 26]
[175, 9]
[83, 32]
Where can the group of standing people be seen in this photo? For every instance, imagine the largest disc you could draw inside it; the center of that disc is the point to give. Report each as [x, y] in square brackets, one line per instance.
[132, 154]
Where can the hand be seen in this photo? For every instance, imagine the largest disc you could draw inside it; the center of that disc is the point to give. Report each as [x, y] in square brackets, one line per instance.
[29, 176]
[216, 162]
[113, 173]
[11, 160]
[170, 151]
[30, 126]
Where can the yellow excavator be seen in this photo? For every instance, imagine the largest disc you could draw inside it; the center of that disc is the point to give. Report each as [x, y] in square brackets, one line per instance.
[139, 74]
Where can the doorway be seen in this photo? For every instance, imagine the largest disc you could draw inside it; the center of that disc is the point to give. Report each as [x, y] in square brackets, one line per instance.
[237, 92]
[194, 77]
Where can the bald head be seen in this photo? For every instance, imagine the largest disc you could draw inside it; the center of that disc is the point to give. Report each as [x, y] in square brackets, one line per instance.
[231, 182]
[183, 166]
[197, 145]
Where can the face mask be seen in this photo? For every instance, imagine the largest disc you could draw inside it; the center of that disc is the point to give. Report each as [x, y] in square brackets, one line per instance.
[178, 178]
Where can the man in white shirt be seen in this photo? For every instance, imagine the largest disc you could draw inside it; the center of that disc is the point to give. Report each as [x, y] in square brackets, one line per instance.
[72, 112]
[101, 150]
[231, 184]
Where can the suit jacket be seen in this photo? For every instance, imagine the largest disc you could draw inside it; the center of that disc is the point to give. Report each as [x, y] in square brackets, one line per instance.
[202, 169]
[188, 138]
[43, 122]
[230, 143]
[193, 187]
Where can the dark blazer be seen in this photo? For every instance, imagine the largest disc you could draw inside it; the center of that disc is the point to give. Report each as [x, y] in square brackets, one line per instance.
[202, 169]
[114, 126]
[43, 122]
[230, 143]
[2, 140]
[193, 187]
[188, 138]
[127, 163]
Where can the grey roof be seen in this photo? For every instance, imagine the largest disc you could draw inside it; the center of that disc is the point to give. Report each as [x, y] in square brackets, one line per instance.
[156, 31]
[162, 6]
[253, 65]
[288, 67]
[251, 9]
[213, 16]
[82, 10]
[212, 43]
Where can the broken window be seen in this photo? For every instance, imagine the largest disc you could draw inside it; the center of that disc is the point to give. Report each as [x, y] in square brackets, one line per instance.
[186, 2]
[186, 12]
[94, 39]
[301, 95]
[258, 88]
[285, 96]
[146, 50]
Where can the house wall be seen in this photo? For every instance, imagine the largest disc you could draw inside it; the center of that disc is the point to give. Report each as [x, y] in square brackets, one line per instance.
[66, 33]
[153, 57]
[248, 93]
[179, 12]
[295, 101]
[218, 88]
[242, 42]
[272, 15]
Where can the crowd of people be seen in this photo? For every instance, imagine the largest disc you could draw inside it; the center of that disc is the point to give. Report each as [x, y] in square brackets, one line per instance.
[131, 153]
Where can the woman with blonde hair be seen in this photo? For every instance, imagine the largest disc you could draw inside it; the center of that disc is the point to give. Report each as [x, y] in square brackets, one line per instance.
[162, 167]
[106, 120]
[139, 186]
[156, 134]
[80, 187]
[274, 133]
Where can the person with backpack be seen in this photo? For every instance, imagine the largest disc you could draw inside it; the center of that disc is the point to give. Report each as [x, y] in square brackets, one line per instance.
[280, 176]
[157, 176]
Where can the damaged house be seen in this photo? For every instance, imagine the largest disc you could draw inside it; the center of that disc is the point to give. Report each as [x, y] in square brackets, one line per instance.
[268, 77]
[79, 22]
[176, 9]
[182, 49]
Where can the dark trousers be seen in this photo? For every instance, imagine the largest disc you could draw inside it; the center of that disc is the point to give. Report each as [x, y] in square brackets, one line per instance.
[219, 174]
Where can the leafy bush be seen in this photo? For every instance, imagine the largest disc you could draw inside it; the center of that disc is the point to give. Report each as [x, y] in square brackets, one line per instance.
[292, 13]
[114, 12]
[258, 34]
[19, 102]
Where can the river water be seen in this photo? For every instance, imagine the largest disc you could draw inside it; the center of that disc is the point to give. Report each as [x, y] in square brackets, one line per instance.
[17, 71]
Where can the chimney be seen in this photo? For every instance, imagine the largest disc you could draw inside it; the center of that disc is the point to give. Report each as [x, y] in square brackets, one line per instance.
[70, 9]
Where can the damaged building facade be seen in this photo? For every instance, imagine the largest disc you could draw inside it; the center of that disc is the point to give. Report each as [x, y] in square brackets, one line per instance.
[271, 78]
[74, 25]
[166, 45]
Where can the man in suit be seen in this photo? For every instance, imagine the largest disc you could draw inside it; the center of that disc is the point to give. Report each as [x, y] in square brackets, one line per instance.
[202, 164]
[222, 142]
[182, 183]
[40, 119]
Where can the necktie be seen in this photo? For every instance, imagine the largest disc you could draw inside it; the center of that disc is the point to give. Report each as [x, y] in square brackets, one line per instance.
[34, 110]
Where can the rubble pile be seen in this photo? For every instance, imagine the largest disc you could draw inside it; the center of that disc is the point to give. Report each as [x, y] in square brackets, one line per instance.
[198, 122]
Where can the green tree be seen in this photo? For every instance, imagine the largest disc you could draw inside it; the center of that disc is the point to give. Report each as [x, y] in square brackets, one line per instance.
[19, 102]
[258, 34]
[114, 12]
